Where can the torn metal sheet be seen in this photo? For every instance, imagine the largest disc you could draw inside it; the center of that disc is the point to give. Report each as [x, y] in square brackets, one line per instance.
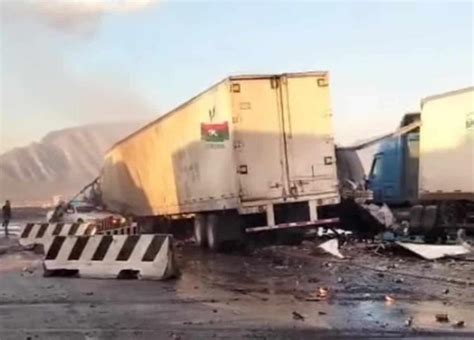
[382, 214]
[435, 251]
[332, 247]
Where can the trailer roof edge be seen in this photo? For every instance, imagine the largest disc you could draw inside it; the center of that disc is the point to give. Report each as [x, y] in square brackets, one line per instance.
[235, 77]
[446, 94]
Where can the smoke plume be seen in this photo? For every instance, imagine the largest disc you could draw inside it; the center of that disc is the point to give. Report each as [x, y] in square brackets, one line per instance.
[41, 89]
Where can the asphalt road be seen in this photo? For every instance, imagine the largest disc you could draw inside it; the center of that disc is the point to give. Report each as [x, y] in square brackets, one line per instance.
[243, 295]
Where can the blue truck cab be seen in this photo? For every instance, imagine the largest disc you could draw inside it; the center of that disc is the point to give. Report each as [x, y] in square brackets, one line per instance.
[393, 176]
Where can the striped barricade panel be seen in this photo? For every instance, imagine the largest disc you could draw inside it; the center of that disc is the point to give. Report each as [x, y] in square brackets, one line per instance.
[43, 233]
[109, 256]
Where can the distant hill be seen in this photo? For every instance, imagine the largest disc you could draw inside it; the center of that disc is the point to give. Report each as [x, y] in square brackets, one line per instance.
[60, 164]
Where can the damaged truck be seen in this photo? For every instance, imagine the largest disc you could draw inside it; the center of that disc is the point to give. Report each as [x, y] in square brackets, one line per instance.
[428, 165]
[252, 153]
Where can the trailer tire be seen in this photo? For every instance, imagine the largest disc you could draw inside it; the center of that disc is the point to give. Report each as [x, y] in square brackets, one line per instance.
[200, 230]
[213, 232]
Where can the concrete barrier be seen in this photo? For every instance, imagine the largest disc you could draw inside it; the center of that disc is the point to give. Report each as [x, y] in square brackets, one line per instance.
[112, 256]
[43, 233]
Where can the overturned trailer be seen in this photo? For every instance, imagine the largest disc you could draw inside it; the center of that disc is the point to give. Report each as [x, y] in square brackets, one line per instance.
[251, 153]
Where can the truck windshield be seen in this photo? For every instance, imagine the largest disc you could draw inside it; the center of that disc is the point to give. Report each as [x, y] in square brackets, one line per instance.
[376, 166]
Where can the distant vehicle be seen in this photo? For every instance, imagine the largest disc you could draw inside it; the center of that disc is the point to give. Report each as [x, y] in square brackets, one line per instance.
[78, 212]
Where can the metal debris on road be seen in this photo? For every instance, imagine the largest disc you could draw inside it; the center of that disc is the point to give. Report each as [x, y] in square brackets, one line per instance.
[320, 295]
[435, 251]
[332, 247]
[322, 292]
[389, 299]
[442, 317]
[297, 316]
[29, 270]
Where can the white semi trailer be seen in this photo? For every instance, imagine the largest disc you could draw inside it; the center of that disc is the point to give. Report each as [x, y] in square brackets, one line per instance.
[446, 165]
[252, 153]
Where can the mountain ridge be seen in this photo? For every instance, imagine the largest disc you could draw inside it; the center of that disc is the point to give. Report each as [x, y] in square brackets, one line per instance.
[60, 164]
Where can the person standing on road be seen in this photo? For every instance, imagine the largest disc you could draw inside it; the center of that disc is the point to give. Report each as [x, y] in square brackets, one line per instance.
[7, 215]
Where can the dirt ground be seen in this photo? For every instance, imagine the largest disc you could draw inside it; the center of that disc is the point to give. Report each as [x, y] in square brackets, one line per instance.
[272, 292]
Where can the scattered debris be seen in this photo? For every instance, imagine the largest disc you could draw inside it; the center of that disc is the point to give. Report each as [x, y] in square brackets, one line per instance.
[320, 295]
[383, 215]
[313, 298]
[340, 280]
[313, 280]
[442, 317]
[435, 251]
[399, 280]
[298, 316]
[29, 270]
[89, 293]
[409, 321]
[322, 313]
[458, 324]
[389, 300]
[446, 291]
[332, 247]
[322, 292]
[174, 336]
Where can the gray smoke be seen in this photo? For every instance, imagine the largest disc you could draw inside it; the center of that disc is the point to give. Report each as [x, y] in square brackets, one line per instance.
[40, 91]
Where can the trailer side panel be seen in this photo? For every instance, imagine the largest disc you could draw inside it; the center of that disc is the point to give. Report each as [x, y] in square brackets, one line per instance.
[181, 163]
[447, 146]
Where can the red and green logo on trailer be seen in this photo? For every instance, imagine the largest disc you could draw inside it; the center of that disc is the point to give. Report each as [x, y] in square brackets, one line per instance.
[215, 133]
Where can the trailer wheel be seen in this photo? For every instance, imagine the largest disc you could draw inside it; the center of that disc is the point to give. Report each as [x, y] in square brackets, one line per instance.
[213, 233]
[200, 232]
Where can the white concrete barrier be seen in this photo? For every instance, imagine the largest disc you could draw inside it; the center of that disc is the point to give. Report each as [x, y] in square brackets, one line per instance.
[43, 233]
[110, 256]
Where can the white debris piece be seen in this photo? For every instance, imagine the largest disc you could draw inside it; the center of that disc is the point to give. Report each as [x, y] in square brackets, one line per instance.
[436, 251]
[382, 214]
[329, 232]
[332, 247]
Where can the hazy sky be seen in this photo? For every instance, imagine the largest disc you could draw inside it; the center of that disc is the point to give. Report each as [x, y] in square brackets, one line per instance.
[63, 65]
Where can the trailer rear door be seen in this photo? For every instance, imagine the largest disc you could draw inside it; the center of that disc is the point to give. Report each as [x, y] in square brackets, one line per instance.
[258, 140]
[308, 132]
